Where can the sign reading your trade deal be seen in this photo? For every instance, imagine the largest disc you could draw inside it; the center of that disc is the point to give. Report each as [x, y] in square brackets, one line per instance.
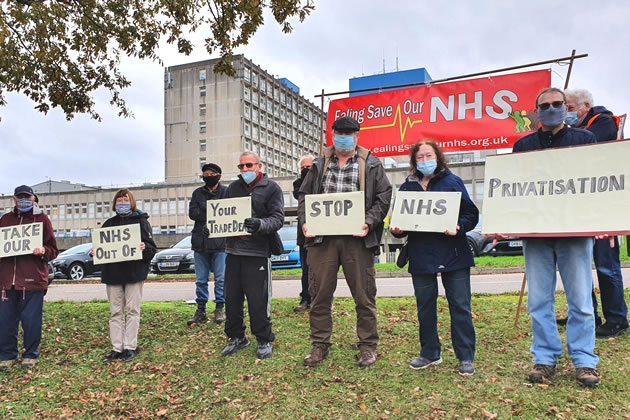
[225, 217]
[21, 239]
[116, 244]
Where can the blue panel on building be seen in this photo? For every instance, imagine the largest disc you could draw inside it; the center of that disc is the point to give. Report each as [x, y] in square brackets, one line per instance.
[290, 85]
[388, 79]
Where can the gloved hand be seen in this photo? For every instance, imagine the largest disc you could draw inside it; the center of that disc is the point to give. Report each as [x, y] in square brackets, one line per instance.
[252, 224]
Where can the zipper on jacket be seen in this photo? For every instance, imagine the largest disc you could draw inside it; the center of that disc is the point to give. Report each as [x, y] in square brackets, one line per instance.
[15, 258]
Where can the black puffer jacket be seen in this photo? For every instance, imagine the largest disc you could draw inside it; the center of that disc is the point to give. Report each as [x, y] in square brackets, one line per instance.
[197, 212]
[130, 271]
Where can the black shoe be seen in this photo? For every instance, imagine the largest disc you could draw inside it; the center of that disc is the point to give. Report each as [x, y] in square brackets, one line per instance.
[113, 355]
[234, 346]
[264, 350]
[128, 355]
[200, 317]
[609, 330]
[562, 321]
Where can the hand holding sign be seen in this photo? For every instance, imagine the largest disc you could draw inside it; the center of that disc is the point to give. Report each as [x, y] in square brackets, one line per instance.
[39, 251]
[117, 244]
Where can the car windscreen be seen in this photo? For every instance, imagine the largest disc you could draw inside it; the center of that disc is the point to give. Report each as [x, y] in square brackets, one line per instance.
[79, 249]
[288, 233]
[184, 243]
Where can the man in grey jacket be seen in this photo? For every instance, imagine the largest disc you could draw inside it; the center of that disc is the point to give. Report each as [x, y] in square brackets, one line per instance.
[345, 167]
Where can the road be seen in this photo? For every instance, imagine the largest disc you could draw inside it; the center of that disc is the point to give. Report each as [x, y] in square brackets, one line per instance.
[387, 287]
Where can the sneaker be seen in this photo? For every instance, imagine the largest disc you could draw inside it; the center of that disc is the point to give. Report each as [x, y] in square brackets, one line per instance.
[7, 364]
[235, 345]
[219, 316]
[113, 355]
[200, 317]
[302, 307]
[541, 373]
[609, 330]
[29, 363]
[587, 377]
[128, 355]
[367, 358]
[422, 363]
[466, 368]
[264, 350]
[316, 356]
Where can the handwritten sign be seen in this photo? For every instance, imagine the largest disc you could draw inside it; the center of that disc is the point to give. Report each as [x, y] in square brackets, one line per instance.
[21, 239]
[225, 217]
[117, 244]
[335, 214]
[426, 211]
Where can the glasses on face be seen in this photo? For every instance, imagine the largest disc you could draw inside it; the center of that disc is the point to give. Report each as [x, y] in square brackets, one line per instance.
[545, 105]
[240, 166]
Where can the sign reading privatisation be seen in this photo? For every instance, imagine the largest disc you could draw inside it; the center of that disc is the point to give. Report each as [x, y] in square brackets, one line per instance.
[426, 211]
[225, 217]
[117, 244]
[476, 114]
[531, 194]
[21, 239]
[335, 214]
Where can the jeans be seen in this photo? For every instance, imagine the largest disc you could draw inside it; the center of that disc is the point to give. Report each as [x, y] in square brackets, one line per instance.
[304, 295]
[205, 262]
[457, 286]
[610, 282]
[25, 307]
[573, 258]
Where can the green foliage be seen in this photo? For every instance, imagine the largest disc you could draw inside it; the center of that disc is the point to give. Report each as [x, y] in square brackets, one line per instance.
[59, 52]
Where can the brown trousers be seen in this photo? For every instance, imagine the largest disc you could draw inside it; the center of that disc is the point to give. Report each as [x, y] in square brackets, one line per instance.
[358, 267]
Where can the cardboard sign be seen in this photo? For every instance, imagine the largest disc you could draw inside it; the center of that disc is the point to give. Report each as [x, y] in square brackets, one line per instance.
[21, 239]
[225, 217]
[335, 214]
[426, 211]
[116, 244]
[573, 191]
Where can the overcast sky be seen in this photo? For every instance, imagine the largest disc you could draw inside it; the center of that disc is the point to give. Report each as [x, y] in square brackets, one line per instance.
[340, 40]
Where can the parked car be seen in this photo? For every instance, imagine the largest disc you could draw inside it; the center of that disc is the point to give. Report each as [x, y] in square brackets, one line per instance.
[75, 263]
[290, 257]
[481, 245]
[179, 258]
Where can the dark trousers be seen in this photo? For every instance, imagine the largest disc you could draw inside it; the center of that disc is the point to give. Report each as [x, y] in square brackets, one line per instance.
[457, 286]
[304, 295]
[24, 307]
[248, 277]
[358, 267]
[610, 282]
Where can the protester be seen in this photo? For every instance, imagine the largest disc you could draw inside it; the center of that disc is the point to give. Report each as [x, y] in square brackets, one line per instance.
[345, 167]
[447, 253]
[571, 255]
[24, 282]
[209, 252]
[124, 280]
[248, 267]
[305, 298]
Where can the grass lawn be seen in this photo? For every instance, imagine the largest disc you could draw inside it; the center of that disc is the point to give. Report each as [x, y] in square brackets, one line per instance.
[179, 372]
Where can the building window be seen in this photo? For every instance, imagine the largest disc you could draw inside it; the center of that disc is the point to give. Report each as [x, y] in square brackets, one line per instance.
[91, 210]
[202, 109]
[247, 74]
[163, 207]
[62, 211]
[263, 102]
[155, 207]
[83, 210]
[247, 129]
[255, 115]
[181, 206]
[139, 206]
[172, 207]
[255, 132]
[202, 91]
[202, 75]
[479, 191]
[202, 127]
[254, 79]
[263, 85]
[202, 145]
[202, 161]
[248, 112]
[246, 93]
[255, 97]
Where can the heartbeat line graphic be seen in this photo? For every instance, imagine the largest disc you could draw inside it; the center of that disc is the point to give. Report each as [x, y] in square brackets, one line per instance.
[403, 128]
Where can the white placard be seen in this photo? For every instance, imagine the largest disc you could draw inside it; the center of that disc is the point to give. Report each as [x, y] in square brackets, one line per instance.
[225, 217]
[574, 191]
[335, 214]
[426, 211]
[21, 239]
[117, 244]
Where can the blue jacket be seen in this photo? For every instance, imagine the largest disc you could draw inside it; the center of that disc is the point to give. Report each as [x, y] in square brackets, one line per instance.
[604, 128]
[432, 252]
[546, 140]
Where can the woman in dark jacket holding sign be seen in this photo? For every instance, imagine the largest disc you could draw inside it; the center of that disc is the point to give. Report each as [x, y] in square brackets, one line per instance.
[125, 279]
[447, 253]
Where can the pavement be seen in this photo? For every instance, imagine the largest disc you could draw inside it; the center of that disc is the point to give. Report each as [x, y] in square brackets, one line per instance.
[388, 285]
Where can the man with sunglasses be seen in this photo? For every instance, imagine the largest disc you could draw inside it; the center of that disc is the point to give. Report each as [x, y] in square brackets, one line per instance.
[572, 255]
[248, 267]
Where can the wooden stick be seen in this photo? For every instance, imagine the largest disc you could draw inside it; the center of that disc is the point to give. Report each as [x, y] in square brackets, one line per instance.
[520, 299]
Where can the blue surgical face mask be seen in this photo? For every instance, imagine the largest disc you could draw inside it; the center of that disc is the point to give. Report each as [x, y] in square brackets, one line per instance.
[123, 209]
[343, 142]
[552, 117]
[24, 204]
[427, 167]
[571, 118]
[248, 177]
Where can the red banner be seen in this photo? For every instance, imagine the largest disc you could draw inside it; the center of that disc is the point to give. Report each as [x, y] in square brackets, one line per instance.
[486, 113]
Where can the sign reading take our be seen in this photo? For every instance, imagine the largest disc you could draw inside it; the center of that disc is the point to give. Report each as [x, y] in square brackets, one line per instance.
[21, 239]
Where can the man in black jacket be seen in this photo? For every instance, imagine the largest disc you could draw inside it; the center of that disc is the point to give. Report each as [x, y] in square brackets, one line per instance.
[209, 252]
[248, 267]
[305, 298]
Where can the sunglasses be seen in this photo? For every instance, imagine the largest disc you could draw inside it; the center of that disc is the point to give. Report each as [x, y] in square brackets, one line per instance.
[545, 105]
[246, 165]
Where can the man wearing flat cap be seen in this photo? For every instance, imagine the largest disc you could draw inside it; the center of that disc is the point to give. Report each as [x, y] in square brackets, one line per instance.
[209, 253]
[24, 281]
[345, 167]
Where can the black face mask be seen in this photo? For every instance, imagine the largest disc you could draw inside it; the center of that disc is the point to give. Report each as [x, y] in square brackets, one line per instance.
[211, 181]
[304, 172]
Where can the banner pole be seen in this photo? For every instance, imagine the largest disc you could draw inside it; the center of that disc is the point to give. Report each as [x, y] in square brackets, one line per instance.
[566, 82]
[321, 127]
[520, 299]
